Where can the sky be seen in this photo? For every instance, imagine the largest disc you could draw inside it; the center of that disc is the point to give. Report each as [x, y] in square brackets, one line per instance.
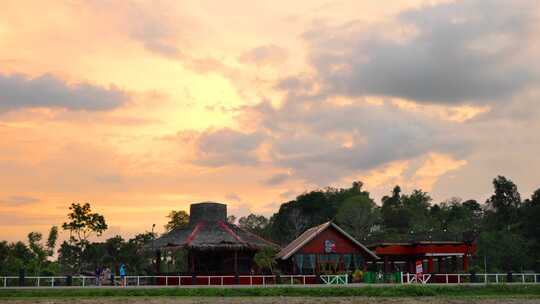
[143, 107]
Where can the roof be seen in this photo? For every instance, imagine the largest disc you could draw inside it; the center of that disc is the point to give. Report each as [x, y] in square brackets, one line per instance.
[310, 234]
[212, 235]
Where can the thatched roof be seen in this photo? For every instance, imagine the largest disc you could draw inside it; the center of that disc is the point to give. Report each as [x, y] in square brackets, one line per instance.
[209, 230]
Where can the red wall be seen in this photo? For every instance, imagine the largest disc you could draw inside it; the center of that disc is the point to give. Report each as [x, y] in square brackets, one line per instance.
[343, 244]
[425, 248]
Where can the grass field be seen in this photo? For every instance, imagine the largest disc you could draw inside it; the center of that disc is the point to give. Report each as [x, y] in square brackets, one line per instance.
[531, 292]
[278, 300]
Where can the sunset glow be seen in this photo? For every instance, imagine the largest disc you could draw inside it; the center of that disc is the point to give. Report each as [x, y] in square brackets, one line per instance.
[144, 107]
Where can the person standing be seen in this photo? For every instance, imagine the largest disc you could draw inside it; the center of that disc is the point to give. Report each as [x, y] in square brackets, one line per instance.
[97, 273]
[123, 274]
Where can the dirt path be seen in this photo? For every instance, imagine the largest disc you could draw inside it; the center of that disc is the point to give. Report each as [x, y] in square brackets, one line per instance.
[276, 300]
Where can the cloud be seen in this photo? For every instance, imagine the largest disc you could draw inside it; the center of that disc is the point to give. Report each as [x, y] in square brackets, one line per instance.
[463, 52]
[47, 91]
[320, 142]
[233, 197]
[276, 179]
[19, 200]
[226, 146]
[265, 54]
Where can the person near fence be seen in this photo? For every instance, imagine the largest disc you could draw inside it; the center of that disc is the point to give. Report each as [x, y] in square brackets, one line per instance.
[97, 273]
[106, 275]
[122, 274]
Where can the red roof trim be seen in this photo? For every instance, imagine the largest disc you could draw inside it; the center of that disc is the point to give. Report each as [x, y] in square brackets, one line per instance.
[229, 231]
[193, 233]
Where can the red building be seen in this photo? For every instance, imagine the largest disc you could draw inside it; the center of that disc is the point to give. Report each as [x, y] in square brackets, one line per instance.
[324, 249]
[437, 257]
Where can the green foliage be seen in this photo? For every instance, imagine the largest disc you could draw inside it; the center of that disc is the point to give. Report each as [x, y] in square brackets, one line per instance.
[177, 220]
[83, 223]
[308, 210]
[265, 259]
[504, 203]
[359, 215]
[254, 223]
[51, 240]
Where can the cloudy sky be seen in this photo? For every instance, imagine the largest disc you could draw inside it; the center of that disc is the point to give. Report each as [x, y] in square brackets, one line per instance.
[141, 107]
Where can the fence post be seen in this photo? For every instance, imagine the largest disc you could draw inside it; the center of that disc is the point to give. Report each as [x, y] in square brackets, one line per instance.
[52, 281]
[535, 278]
[496, 278]
[304, 279]
[264, 281]
[38, 281]
[447, 278]
[5, 281]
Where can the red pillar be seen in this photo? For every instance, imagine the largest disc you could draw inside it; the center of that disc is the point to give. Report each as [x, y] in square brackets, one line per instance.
[430, 265]
[465, 263]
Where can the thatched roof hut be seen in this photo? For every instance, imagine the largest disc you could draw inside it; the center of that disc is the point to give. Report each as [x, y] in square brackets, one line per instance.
[209, 230]
[210, 239]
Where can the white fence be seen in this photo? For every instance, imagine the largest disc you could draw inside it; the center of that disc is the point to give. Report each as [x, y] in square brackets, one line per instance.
[465, 278]
[259, 280]
[163, 280]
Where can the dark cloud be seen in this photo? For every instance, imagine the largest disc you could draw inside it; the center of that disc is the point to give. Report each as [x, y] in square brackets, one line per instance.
[276, 179]
[465, 52]
[459, 52]
[320, 142]
[226, 146]
[47, 91]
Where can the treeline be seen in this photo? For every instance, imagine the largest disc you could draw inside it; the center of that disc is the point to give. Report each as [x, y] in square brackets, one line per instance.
[505, 228]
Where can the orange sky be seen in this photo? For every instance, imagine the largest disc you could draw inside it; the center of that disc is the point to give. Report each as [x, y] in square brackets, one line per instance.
[142, 107]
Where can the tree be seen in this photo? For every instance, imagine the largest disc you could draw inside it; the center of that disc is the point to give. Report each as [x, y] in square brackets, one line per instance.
[40, 253]
[505, 202]
[51, 240]
[358, 215]
[391, 211]
[177, 220]
[231, 219]
[265, 259]
[254, 223]
[83, 223]
[70, 258]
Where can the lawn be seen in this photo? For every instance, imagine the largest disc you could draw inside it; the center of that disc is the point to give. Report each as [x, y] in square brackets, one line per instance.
[456, 292]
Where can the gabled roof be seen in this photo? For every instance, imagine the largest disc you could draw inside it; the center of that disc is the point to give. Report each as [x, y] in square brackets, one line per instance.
[310, 234]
